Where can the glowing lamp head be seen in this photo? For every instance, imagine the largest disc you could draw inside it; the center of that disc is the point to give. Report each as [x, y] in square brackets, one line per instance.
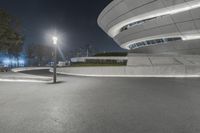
[55, 40]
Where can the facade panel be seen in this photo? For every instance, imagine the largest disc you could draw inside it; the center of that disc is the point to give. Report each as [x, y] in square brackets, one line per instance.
[134, 23]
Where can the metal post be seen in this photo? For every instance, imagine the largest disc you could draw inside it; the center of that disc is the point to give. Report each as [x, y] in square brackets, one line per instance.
[55, 64]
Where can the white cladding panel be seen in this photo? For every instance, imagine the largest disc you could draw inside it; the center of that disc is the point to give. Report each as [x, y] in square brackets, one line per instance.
[184, 23]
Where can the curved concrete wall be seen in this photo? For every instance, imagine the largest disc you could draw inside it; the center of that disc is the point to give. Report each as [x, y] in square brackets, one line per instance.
[142, 65]
[168, 18]
[137, 71]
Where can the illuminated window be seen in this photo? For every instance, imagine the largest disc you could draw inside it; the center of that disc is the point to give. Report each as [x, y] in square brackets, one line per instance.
[153, 42]
[136, 23]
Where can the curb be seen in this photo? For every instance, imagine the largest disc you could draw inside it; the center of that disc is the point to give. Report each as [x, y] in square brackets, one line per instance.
[29, 68]
[130, 76]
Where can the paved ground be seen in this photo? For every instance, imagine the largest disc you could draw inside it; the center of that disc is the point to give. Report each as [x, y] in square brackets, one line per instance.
[101, 105]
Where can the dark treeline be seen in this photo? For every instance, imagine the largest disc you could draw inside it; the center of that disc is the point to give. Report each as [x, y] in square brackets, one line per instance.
[11, 38]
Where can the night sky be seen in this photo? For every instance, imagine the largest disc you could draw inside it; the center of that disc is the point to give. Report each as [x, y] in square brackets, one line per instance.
[75, 19]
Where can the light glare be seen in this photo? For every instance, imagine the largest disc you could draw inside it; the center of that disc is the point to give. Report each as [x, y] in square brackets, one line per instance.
[55, 40]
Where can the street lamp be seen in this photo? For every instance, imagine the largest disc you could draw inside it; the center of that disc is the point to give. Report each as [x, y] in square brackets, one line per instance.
[55, 40]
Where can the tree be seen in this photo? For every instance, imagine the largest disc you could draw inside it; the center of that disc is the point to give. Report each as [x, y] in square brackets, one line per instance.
[10, 38]
[39, 52]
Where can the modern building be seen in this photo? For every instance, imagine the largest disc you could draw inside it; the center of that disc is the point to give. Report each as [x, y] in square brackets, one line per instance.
[154, 26]
[162, 36]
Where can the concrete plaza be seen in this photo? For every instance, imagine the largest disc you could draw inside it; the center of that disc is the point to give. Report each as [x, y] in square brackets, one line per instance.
[101, 105]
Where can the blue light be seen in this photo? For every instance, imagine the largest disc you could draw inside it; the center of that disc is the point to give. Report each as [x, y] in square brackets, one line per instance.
[21, 61]
[6, 61]
[13, 61]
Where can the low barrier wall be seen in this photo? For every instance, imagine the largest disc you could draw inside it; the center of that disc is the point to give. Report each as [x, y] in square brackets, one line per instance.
[137, 71]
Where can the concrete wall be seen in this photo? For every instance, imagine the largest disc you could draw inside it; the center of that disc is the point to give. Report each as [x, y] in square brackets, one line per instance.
[162, 59]
[143, 65]
[137, 71]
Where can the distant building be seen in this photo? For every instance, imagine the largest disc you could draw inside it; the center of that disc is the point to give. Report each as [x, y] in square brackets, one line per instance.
[99, 59]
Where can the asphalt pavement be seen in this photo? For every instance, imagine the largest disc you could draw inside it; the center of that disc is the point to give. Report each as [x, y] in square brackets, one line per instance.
[101, 105]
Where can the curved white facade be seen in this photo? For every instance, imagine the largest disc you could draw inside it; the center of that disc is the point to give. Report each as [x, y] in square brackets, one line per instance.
[154, 26]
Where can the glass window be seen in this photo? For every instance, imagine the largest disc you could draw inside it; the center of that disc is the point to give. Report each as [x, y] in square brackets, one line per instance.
[136, 23]
[153, 42]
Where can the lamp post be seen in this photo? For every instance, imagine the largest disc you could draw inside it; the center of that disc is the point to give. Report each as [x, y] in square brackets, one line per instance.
[55, 40]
